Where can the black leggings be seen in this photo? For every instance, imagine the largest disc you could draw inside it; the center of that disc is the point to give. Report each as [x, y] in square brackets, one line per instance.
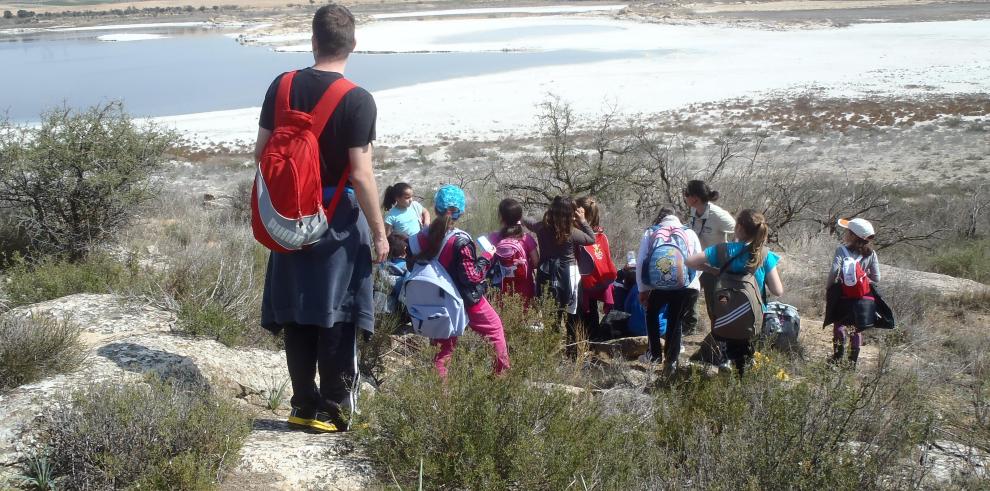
[334, 351]
[676, 301]
[737, 351]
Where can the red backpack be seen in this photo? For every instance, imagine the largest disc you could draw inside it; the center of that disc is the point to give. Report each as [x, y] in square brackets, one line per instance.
[855, 283]
[287, 212]
[596, 263]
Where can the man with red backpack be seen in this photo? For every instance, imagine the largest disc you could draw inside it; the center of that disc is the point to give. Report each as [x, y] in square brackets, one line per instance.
[316, 207]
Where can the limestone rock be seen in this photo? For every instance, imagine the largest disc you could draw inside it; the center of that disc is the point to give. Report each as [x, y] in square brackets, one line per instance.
[945, 459]
[124, 342]
[626, 348]
[939, 284]
[275, 457]
[102, 316]
[549, 387]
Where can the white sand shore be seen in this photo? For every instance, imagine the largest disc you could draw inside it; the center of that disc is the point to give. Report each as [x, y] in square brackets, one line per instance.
[657, 67]
[129, 37]
[550, 9]
[115, 27]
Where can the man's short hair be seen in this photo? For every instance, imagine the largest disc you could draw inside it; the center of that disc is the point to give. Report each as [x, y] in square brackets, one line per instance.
[333, 29]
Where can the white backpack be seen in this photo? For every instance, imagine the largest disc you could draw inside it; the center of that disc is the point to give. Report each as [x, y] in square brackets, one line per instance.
[435, 305]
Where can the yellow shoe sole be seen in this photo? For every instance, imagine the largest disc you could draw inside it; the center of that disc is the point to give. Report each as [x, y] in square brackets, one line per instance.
[312, 424]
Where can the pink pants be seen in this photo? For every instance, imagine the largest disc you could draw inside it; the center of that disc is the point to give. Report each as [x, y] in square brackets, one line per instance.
[483, 320]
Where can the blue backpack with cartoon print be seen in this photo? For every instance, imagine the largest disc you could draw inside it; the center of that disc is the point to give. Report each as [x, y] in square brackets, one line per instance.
[666, 262]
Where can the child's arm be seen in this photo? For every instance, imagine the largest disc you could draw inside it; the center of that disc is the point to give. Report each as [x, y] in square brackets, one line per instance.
[532, 224]
[773, 283]
[584, 235]
[471, 270]
[424, 216]
[873, 269]
[644, 246]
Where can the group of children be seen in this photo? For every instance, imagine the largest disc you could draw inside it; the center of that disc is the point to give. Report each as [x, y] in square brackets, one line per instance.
[565, 255]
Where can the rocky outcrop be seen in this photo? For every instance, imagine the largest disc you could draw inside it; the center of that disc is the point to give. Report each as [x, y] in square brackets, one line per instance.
[622, 348]
[126, 340]
[939, 284]
[274, 457]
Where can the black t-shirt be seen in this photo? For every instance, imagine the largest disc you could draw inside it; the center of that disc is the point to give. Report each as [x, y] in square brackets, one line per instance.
[351, 125]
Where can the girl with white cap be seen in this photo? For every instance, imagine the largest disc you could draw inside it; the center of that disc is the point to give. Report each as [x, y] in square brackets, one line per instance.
[854, 268]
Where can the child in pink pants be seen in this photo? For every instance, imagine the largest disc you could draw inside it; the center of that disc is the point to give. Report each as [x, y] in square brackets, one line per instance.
[483, 320]
[457, 255]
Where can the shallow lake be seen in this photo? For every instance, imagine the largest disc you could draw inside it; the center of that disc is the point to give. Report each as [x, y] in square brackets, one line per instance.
[197, 70]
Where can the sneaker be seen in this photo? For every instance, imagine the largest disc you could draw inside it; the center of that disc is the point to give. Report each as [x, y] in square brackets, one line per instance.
[669, 369]
[318, 421]
[725, 367]
[301, 418]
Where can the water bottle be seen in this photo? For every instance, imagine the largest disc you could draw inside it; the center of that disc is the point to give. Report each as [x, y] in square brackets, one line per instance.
[631, 259]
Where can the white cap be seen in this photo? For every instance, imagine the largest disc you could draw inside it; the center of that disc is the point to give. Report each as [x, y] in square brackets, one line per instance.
[861, 227]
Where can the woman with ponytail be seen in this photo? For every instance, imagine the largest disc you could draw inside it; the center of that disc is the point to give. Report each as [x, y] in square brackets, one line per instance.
[712, 224]
[748, 254]
[457, 255]
[403, 214]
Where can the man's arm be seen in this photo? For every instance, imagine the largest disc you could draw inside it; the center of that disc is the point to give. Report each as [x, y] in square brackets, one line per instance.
[259, 144]
[366, 189]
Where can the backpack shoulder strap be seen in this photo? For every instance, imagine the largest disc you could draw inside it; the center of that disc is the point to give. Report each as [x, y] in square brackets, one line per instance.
[453, 241]
[850, 255]
[321, 115]
[282, 96]
[723, 253]
[328, 104]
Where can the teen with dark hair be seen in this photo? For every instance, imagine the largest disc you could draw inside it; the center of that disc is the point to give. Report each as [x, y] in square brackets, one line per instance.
[748, 254]
[594, 292]
[321, 295]
[403, 214]
[677, 301]
[562, 228]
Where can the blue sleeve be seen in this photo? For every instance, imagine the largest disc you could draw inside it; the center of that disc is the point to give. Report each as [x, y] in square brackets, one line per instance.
[711, 255]
[770, 262]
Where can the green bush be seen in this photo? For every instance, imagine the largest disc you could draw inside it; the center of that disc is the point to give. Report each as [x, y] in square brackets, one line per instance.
[546, 425]
[51, 277]
[151, 435]
[75, 180]
[964, 259]
[483, 432]
[33, 348]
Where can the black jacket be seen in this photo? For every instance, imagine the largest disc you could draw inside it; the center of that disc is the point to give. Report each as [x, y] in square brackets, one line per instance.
[863, 313]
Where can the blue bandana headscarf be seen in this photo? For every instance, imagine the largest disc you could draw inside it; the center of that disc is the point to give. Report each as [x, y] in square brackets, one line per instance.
[449, 196]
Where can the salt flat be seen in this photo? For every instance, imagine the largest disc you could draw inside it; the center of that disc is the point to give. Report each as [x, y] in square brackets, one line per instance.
[663, 67]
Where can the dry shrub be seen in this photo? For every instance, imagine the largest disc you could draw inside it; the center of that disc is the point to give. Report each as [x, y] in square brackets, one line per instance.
[209, 270]
[827, 429]
[76, 179]
[145, 435]
[33, 348]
